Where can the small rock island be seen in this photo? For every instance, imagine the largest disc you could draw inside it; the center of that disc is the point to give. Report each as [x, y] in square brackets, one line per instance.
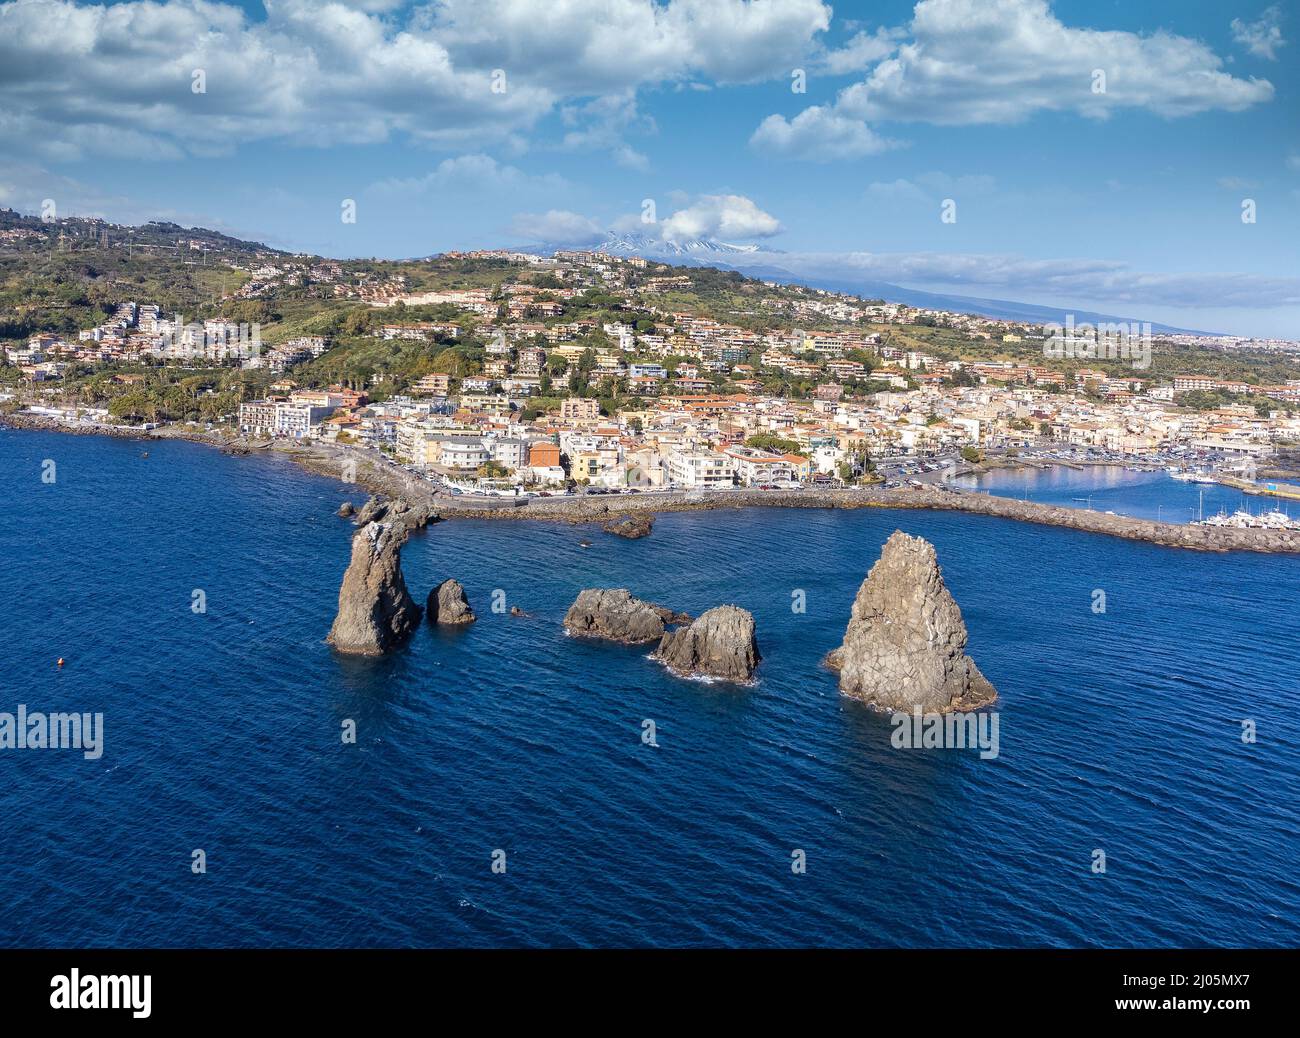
[632, 527]
[720, 643]
[905, 645]
[613, 614]
[447, 604]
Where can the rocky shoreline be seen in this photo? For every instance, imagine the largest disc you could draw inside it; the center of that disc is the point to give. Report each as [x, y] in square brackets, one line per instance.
[377, 477]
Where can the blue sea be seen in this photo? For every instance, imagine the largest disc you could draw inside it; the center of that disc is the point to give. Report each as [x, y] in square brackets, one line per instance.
[1113, 488]
[1119, 732]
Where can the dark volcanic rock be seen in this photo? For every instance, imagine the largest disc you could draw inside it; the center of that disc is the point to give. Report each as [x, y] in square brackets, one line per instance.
[905, 645]
[448, 604]
[614, 614]
[397, 510]
[372, 511]
[720, 644]
[631, 526]
[376, 613]
[671, 616]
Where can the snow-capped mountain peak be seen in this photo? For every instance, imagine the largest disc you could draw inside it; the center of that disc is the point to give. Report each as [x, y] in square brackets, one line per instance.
[642, 245]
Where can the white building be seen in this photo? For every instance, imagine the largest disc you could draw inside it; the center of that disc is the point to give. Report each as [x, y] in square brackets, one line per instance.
[755, 467]
[698, 469]
[511, 453]
[296, 420]
[464, 453]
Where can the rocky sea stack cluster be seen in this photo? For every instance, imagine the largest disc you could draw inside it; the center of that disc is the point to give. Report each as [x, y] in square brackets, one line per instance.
[376, 613]
[905, 646]
[720, 644]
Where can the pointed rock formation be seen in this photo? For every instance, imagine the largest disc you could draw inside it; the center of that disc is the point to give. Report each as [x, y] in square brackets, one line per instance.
[719, 644]
[614, 614]
[376, 613]
[905, 645]
[448, 604]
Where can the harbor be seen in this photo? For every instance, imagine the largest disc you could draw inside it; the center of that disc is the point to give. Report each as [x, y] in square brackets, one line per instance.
[1188, 495]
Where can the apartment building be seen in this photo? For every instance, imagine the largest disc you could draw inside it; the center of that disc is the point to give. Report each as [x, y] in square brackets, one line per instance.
[698, 469]
[754, 467]
[579, 409]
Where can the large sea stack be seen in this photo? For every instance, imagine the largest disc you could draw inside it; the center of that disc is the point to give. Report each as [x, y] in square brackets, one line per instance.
[905, 645]
[614, 614]
[720, 643]
[448, 604]
[376, 613]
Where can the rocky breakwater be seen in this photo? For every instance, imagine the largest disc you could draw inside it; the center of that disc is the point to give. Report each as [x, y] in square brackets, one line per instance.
[905, 645]
[376, 613]
[579, 509]
[719, 644]
[1171, 535]
[613, 614]
[448, 605]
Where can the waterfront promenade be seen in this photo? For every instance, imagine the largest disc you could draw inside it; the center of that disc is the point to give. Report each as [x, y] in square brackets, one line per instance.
[379, 475]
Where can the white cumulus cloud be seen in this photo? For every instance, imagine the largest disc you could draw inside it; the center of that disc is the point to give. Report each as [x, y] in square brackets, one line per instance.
[860, 52]
[587, 47]
[81, 79]
[966, 62]
[1263, 36]
[728, 217]
[996, 61]
[820, 134]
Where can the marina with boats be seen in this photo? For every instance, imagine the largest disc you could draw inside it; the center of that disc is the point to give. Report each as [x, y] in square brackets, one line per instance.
[1244, 520]
[1211, 492]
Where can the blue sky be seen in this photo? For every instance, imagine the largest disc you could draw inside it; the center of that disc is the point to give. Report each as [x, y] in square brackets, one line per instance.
[1125, 200]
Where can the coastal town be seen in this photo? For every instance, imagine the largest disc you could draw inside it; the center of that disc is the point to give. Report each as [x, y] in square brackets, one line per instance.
[580, 372]
[647, 477]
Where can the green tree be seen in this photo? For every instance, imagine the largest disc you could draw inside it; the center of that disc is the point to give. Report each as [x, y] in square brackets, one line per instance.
[772, 442]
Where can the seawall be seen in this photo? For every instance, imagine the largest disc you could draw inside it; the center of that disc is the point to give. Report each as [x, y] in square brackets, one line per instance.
[382, 477]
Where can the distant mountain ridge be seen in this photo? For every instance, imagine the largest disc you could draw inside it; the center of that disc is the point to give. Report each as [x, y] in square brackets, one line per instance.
[756, 261]
[751, 260]
[154, 233]
[1001, 309]
[643, 245]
